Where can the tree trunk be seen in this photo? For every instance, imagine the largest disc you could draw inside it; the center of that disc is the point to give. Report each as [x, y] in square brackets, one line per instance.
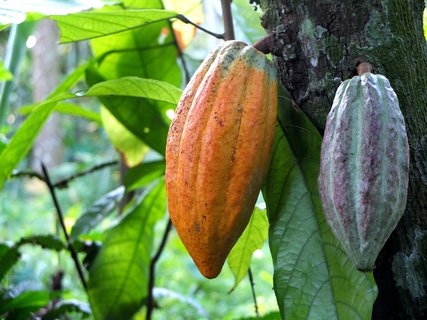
[319, 44]
[45, 75]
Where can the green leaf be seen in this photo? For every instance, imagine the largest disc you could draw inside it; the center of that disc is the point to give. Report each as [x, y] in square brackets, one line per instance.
[76, 110]
[67, 108]
[252, 238]
[23, 305]
[49, 241]
[244, 17]
[142, 117]
[143, 174]
[137, 87]
[147, 52]
[3, 143]
[9, 255]
[118, 278]
[313, 278]
[94, 24]
[64, 307]
[25, 136]
[23, 139]
[130, 147]
[98, 212]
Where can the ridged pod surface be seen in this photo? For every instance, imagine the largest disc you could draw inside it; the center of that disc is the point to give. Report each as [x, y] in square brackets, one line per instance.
[364, 166]
[218, 151]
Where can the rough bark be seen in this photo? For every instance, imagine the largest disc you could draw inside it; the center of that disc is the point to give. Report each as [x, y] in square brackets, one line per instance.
[319, 44]
[45, 76]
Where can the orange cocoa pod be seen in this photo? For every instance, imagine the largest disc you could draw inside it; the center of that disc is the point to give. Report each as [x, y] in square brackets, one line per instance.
[218, 151]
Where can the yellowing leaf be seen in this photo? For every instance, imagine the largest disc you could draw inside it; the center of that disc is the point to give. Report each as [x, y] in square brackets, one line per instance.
[253, 237]
[132, 149]
[191, 9]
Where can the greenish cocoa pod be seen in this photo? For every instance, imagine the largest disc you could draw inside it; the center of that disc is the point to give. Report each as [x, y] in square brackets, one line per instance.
[364, 167]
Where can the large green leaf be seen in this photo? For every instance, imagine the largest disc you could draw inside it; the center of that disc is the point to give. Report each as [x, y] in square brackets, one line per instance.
[146, 52]
[252, 238]
[118, 278]
[313, 278]
[137, 87]
[94, 24]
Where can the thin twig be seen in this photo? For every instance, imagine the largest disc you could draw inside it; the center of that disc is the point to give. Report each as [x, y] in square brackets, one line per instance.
[64, 182]
[64, 229]
[186, 20]
[152, 278]
[228, 20]
[28, 174]
[251, 280]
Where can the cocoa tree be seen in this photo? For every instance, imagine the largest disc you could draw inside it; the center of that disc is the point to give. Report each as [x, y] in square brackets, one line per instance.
[318, 44]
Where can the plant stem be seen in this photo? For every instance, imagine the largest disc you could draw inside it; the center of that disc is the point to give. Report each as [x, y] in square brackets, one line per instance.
[185, 20]
[64, 229]
[264, 44]
[228, 20]
[251, 280]
[151, 280]
[364, 67]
